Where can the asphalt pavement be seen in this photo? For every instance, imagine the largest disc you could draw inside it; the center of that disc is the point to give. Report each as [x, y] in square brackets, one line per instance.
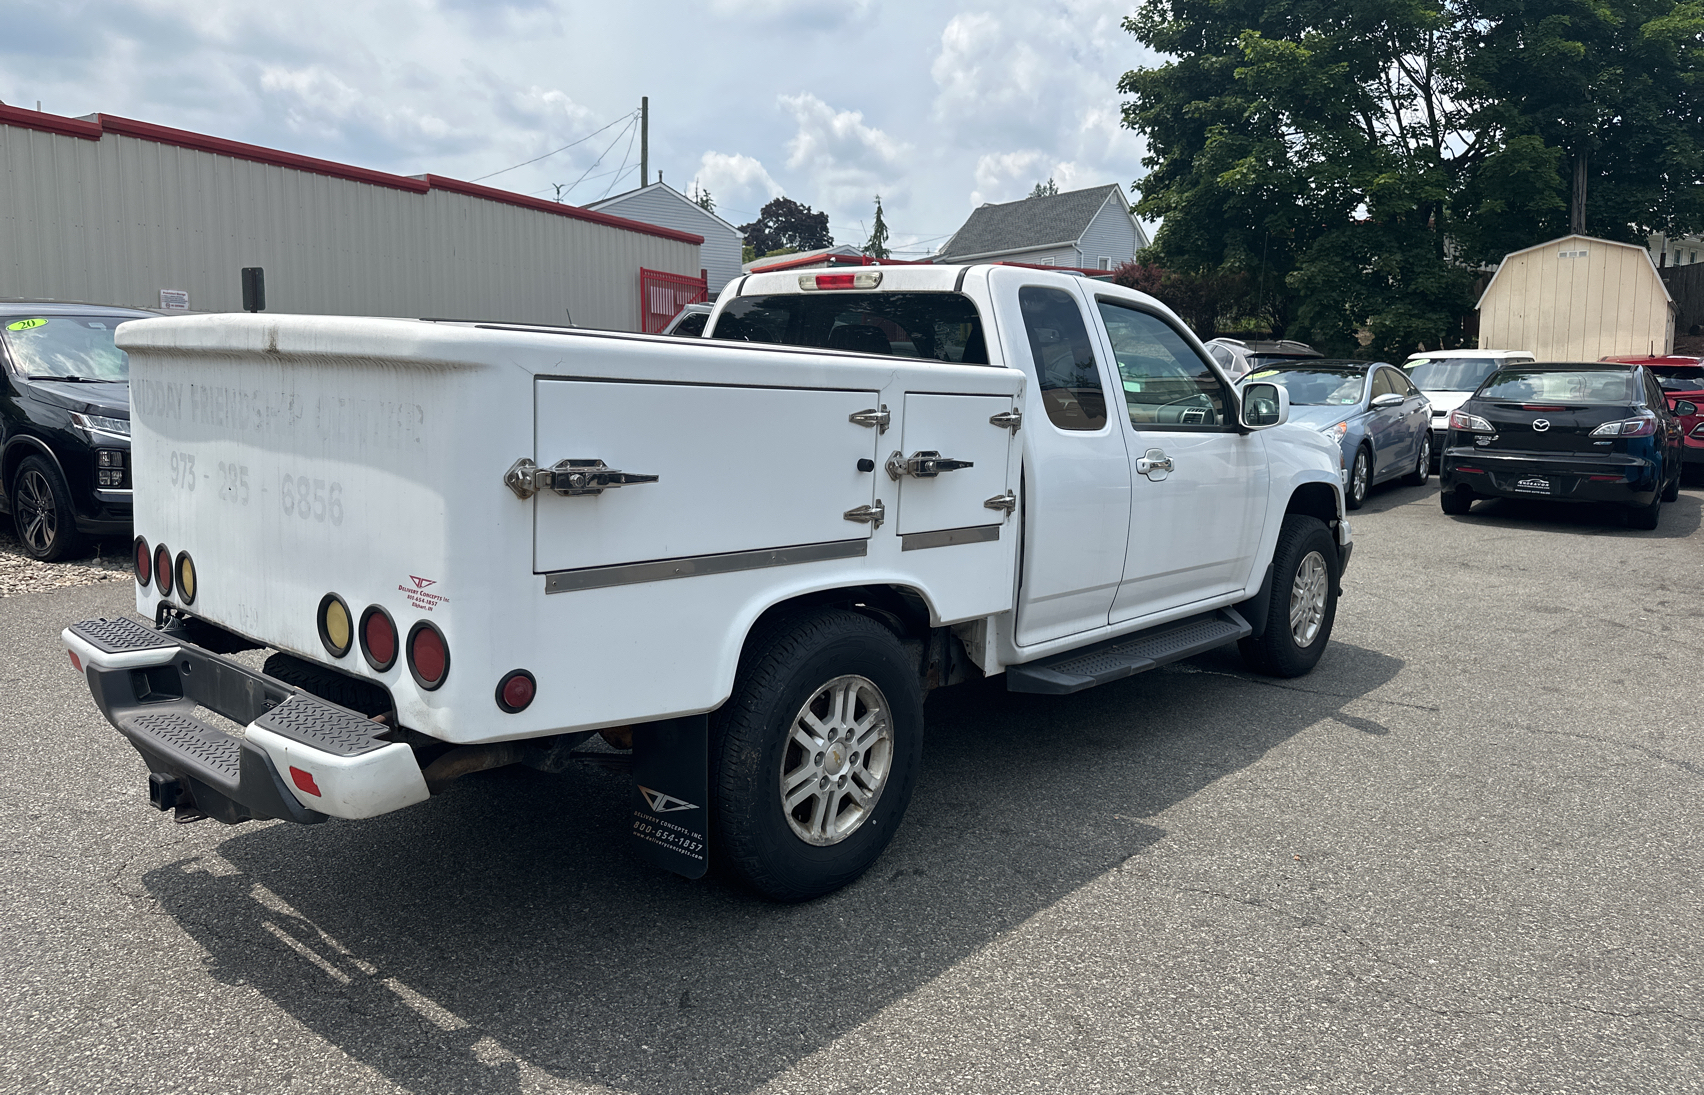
[1461, 856]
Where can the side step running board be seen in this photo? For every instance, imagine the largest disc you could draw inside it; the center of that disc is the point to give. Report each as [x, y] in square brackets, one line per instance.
[1128, 655]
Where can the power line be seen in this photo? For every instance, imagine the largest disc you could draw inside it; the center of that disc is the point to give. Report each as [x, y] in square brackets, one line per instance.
[632, 119]
[622, 170]
[547, 155]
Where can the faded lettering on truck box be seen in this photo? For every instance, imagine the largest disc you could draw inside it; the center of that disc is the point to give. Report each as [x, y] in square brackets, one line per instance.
[343, 420]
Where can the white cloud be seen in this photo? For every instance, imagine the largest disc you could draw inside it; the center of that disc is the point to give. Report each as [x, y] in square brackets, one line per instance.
[804, 14]
[845, 162]
[317, 101]
[736, 182]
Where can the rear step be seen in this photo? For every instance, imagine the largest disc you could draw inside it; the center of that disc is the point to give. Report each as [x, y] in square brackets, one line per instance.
[1128, 655]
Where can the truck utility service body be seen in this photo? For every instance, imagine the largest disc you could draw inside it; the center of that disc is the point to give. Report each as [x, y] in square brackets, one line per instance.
[525, 535]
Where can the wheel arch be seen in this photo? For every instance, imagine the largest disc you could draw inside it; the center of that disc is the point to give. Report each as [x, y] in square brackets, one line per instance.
[20, 448]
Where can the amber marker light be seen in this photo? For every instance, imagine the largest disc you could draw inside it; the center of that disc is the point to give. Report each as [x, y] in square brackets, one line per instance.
[186, 585]
[144, 562]
[163, 570]
[378, 638]
[428, 655]
[336, 629]
[516, 690]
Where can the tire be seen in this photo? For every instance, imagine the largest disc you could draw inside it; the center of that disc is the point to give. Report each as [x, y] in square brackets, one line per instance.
[1645, 517]
[813, 664]
[1304, 601]
[1360, 480]
[1423, 468]
[1455, 502]
[1671, 489]
[41, 511]
[328, 684]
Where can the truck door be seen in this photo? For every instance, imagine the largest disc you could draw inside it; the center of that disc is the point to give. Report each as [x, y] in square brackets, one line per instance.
[1198, 485]
[1076, 480]
[738, 470]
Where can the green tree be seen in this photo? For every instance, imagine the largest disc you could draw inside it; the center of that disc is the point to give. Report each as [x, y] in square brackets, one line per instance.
[701, 197]
[783, 222]
[1045, 190]
[876, 246]
[1354, 161]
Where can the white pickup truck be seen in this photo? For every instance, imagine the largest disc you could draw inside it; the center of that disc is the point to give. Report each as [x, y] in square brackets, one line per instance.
[742, 559]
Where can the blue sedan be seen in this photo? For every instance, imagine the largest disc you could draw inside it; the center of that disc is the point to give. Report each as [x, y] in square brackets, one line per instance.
[1379, 419]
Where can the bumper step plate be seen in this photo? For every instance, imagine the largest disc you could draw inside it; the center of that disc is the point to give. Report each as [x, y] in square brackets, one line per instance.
[1128, 655]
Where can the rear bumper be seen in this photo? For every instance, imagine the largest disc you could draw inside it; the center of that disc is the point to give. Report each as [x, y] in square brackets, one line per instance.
[298, 758]
[1610, 477]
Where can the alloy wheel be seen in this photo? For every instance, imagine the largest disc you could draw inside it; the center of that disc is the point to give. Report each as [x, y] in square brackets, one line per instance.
[38, 516]
[1307, 599]
[836, 763]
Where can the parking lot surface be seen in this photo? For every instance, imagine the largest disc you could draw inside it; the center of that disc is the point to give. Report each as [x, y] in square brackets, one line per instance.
[1462, 856]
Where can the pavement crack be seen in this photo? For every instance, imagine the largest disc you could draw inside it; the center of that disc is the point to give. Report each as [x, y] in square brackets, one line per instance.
[1683, 765]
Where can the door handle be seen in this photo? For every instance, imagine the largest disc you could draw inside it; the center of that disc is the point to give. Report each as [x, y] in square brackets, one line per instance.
[924, 464]
[1155, 464]
[570, 478]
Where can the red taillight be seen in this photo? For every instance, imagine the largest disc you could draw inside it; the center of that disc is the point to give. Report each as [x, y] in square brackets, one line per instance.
[378, 638]
[163, 570]
[144, 563]
[834, 281]
[516, 690]
[304, 781]
[1607, 478]
[1475, 471]
[428, 655]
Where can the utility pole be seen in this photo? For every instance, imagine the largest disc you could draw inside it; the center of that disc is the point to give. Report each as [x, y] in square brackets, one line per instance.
[1577, 213]
[645, 140]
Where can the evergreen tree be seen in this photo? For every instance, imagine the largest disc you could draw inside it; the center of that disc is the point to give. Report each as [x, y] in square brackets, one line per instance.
[876, 247]
[1046, 189]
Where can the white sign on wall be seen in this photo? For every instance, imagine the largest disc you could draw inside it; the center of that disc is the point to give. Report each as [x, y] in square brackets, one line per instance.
[176, 300]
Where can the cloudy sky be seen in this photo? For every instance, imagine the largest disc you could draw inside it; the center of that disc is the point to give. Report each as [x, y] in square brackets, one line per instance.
[938, 107]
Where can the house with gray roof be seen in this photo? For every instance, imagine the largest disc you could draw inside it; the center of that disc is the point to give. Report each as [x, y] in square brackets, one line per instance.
[1089, 229]
[662, 205]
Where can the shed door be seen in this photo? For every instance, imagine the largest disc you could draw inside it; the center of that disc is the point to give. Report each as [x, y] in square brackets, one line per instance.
[739, 469]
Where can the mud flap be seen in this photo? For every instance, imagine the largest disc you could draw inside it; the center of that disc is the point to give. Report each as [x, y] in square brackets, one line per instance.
[671, 794]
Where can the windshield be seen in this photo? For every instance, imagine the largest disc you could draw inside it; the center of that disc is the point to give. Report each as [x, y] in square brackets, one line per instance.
[1449, 374]
[1679, 378]
[1319, 386]
[74, 347]
[938, 326]
[1561, 385]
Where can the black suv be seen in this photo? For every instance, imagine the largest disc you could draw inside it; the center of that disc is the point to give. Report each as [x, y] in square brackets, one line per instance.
[64, 424]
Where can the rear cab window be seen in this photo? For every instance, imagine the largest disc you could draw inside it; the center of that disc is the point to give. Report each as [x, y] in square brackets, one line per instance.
[1065, 368]
[930, 325]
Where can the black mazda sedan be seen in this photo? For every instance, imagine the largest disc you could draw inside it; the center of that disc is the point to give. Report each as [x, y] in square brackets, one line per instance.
[64, 424]
[1595, 432]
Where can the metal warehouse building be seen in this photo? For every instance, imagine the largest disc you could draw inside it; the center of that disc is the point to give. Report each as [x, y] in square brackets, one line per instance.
[113, 211]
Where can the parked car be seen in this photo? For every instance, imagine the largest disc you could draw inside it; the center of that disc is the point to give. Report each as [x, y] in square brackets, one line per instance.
[690, 322]
[1377, 417]
[1580, 432]
[64, 424]
[1682, 381]
[1239, 356]
[1448, 377]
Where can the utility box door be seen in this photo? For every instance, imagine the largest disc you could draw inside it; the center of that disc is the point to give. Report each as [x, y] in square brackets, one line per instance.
[956, 427]
[739, 469]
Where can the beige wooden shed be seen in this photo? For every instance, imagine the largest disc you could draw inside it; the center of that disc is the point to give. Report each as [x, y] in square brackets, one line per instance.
[1577, 298]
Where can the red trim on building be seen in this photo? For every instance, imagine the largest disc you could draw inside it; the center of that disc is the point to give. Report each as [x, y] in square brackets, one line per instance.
[791, 262]
[539, 205]
[49, 123]
[201, 142]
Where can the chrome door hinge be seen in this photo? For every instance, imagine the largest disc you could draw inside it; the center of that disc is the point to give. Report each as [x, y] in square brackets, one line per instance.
[924, 464]
[1008, 420]
[878, 419]
[1007, 502]
[869, 515]
[568, 477]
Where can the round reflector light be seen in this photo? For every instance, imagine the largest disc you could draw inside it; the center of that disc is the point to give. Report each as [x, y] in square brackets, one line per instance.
[428, 655]
[144, 562]
[336, 629]
[163, 570]
[186, 578]
[516, 690]
[378, 638]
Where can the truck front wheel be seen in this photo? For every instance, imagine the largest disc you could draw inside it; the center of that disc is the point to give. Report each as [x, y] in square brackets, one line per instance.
[1304, 601]
[814, 756]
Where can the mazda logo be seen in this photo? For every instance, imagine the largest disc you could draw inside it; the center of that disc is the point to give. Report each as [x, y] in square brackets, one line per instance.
[1539, 425]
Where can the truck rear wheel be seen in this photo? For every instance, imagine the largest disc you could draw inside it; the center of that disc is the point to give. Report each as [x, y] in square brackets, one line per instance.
[1304, 601]
[814, 756]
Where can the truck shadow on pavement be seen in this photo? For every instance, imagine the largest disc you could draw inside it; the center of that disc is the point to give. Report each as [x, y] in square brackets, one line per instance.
[500, 938]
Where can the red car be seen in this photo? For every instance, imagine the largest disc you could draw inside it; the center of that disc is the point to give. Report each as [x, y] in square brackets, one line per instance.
[1682, 378]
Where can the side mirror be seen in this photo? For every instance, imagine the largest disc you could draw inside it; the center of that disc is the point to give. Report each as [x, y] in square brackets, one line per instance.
[1684, 407]
[1264, 405]
[1389, 399]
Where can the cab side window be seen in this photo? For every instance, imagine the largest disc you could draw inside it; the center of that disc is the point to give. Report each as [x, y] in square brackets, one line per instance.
[1064, 357]
[1166, 383]
[1384, 383]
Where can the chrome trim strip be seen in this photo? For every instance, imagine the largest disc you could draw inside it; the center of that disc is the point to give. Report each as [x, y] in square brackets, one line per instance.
[980, 534]
[621, 574]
